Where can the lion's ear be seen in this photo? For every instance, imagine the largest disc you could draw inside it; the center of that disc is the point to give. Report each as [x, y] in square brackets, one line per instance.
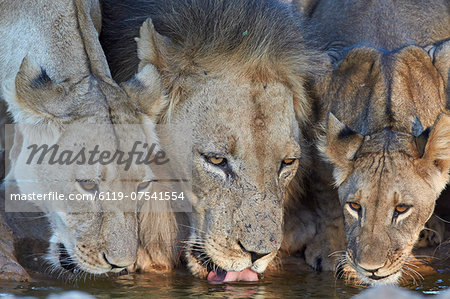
[340, 146]
[440, 55]
[147, 90]
[152, 47]
[38, 103]
[146, 87]
[437, 153]
[34, 96]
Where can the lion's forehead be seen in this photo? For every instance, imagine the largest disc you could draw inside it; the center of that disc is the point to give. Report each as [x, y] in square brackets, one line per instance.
[231, 111]
[383, 168]
[387, 88]
[388, 181]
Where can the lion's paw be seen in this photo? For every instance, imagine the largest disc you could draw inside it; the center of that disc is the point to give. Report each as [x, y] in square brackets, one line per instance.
[433, 233]
[317, 256]
[322, 254]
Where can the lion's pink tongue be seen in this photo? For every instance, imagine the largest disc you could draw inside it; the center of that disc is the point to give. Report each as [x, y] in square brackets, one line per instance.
[244, 275]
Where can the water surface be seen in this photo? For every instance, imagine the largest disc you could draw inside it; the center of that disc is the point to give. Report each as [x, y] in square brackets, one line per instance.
[180, 284]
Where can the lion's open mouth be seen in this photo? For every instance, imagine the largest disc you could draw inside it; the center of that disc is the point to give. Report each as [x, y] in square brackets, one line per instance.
[65, 260]
[219, 275]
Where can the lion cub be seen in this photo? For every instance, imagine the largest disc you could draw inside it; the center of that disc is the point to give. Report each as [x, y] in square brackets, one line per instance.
[386, 127]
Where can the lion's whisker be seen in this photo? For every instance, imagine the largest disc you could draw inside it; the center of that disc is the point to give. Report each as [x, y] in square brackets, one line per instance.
[338, 252]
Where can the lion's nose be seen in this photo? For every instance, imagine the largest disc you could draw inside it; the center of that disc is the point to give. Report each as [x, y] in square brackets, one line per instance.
[119, 264]
[254, 256]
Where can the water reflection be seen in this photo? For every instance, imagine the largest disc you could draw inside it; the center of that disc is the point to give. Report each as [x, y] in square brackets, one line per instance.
[181, 284]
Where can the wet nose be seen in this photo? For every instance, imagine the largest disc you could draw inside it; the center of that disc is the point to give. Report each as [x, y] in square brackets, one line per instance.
[254, 256]
[118, 263]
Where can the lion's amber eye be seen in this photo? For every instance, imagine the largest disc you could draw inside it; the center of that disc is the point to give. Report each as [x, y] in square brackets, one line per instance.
[143, 185]
[217, 161]
[88, 185]
[355, 206]
[400, 209]
[288, 161]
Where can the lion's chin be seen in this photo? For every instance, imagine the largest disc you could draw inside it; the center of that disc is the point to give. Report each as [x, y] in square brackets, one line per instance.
[220, 275]
[391, 279]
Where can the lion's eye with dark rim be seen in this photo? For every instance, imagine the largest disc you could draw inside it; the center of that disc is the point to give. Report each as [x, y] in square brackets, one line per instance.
[143, 185]
[355, 206]
[287, 162]
[401, 209]
[88, 185]
[216, 160]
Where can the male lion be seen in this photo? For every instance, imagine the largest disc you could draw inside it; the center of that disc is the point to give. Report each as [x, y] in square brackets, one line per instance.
[233, 70]
[386, 128]
[55, 79]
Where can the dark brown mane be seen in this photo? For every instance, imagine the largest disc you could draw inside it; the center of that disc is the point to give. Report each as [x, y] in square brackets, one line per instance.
[252, 31]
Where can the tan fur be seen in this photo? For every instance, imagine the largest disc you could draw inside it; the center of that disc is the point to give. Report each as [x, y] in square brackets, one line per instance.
[54, 78]
[243, 97]
[377, 157]
[359, 91]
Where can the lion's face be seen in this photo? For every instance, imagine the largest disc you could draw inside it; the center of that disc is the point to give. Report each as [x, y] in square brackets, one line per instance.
[386, 203]
[94, 230]
[243, 102]
[388, 192]
[87, 236]
[245, 152]
[390, 154]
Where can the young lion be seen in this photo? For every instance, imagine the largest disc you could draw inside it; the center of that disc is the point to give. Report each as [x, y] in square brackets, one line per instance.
[384, 109]
[233, 71]
[56, 83]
